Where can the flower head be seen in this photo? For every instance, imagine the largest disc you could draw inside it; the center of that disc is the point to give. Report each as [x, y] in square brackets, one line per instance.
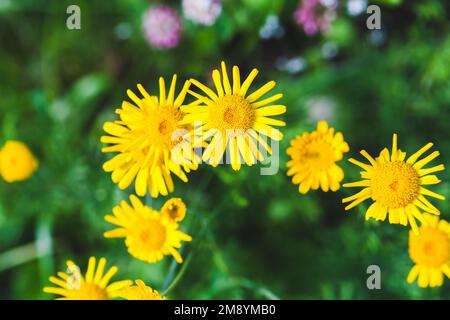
[17, 163]
[162, 27]
[175, 209]
[140, 292]
[149, 234]
[396, 185]
[315, 15]
[320, 108]
[71, 285]
[203, 12]
[314, 156]
[430, 251]
[146, 140]
[234, 120]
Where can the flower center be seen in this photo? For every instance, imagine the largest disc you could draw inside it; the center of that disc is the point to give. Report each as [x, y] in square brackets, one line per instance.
[89, 291]
[152, 235]
[395, 184]
[173, 211]
[232, 112]
[159, 125]
[431, 248]
[318, 154]
[163, 127]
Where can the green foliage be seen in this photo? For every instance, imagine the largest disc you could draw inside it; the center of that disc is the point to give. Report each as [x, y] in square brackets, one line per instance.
[254, 236]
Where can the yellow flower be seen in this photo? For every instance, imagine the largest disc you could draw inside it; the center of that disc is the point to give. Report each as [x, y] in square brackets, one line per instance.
[140, 292]
[430, 251]
[314, 156]
[17, 163]
[175, 209]
[150, 235]
[396, 185]
[149, 141]
[234, 120]
[93, 286]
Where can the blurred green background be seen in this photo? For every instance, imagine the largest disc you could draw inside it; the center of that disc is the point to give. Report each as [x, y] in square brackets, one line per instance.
[254, 236]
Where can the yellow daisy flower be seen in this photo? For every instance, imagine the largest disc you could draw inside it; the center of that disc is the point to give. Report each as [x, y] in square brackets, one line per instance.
[17, 163]
[430, 251]
[396, 185]
[71, 285]
[150, 235]
[144, 138]
[175, 209]
[233, 120]
[140, 292]
[314, 156]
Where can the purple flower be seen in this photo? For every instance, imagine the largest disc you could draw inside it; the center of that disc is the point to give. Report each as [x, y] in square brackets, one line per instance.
[162, 27]
[203, 12]
[315, 15]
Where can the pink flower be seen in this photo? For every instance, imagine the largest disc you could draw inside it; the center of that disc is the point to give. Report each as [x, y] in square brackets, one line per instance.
[315, 15]
[162, 27]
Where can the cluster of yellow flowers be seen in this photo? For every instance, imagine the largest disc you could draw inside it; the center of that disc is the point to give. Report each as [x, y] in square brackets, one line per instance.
[155, 137]
[393, 182]
[158, 135]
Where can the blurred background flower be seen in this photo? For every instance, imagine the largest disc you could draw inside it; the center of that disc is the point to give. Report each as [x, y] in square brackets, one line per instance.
[162, 27]
[204, 12]
[17, 163]
[320, 108]
[315, 15]
[356, 7]
[271, 28]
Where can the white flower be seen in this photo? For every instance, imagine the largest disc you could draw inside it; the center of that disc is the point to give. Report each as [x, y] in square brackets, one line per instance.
[204, 12]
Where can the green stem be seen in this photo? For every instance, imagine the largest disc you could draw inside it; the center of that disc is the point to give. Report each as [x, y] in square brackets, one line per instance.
[172, 279]
[178, 276]
[170, 284]
[23, 254]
